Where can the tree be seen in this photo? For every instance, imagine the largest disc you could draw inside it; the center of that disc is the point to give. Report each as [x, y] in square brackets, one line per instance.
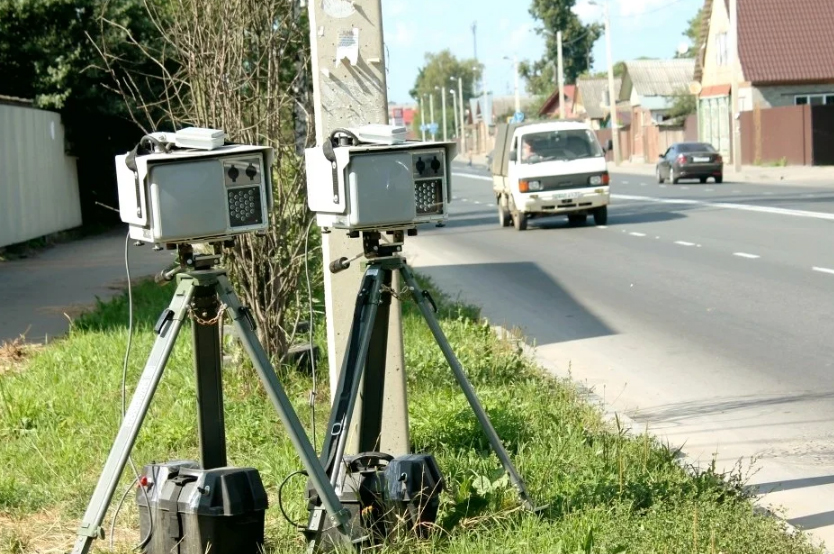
[443, 69]
[685, 105]
[693, 33]
[577, 42]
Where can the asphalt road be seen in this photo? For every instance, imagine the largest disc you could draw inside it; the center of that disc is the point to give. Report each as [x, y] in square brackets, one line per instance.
[704, 312]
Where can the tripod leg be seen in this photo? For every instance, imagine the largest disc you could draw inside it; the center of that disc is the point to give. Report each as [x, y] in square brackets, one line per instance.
[245, 329]
[359, 339]
[426, 309]
[167, 328]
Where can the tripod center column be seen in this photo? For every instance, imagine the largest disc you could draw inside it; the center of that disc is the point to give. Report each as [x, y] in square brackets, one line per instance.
[208, 360]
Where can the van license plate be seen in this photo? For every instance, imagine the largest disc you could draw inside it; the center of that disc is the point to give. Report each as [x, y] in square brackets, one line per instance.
[563, 195]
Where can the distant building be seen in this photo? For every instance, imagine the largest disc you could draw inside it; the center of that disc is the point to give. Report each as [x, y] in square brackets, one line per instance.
[786, 58]
[552, 107]
[591, 101]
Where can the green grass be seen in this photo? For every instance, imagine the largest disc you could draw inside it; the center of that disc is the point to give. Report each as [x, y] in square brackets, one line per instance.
[607, 491]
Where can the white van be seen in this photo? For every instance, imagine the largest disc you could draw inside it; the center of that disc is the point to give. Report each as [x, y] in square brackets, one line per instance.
[549, 168]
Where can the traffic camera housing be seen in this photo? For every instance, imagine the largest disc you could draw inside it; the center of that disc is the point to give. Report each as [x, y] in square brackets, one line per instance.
[369, 187]
[205, 193]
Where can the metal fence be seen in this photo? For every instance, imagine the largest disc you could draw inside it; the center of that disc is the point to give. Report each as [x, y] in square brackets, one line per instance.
[38, 181]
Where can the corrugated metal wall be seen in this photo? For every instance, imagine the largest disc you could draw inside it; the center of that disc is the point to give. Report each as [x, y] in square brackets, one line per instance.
[38, 181]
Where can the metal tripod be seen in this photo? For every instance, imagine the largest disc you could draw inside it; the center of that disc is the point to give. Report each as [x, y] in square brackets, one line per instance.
[201, 294]
[365, 356]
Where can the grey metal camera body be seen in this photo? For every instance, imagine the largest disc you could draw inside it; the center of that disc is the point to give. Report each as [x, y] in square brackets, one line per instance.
[380, 187]
[189, 196]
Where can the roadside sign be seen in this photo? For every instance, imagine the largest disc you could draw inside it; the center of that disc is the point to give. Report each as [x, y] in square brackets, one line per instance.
[518, 117]
[433, 128]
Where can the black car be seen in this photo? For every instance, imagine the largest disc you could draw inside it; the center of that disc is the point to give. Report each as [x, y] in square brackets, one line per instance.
[690, 160]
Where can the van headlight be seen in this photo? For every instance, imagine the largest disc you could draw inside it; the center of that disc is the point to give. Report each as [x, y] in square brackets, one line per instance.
[597, 180]
[535, 185]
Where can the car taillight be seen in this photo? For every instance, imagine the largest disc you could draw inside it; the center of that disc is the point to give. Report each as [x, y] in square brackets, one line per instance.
[606, 179]
[681, 159]
[719, 159]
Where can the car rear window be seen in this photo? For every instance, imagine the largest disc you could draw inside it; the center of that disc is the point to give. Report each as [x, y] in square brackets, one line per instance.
[696, 147]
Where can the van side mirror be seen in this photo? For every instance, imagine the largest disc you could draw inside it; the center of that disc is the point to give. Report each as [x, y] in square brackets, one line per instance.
[609, 145]
[513, 156]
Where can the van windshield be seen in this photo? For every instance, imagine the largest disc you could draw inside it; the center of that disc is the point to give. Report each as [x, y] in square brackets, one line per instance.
[563, 145]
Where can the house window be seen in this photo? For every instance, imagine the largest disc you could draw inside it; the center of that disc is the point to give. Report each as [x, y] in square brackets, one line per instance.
[826, 99]
[722, 52]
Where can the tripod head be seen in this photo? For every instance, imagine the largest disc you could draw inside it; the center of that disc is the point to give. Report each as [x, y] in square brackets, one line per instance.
[374, 247]
[188, 260]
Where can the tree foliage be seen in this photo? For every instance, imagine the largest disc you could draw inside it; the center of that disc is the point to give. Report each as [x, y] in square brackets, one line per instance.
[577, 42]
[685, 105]
[442, 70]
[439, 70]
[693, 33]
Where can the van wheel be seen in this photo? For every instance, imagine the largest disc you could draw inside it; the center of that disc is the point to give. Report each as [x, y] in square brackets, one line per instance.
[520, 221]
[577, 219]
[601, 215]
[504, 216]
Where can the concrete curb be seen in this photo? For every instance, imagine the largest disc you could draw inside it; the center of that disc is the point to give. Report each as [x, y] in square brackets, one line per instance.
[614, 418]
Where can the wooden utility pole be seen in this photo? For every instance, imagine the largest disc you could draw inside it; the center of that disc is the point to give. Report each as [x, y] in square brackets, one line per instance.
[348, 66]
[735, 65]
[612, 98]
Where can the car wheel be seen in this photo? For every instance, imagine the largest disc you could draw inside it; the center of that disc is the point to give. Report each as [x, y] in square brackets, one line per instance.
[675, 180]
[504, 217]
[719, 179]
[520, 221]
[703, 180]
[601, 215]
[577, 219]
[660, 178]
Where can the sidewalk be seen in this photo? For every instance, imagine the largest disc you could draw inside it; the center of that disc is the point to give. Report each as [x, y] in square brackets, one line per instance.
[817, 175]
[39, 295]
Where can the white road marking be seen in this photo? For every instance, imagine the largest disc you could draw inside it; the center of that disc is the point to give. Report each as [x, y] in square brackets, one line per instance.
[470, 176]
[746, 255]
[730, 206]
[708, 190]
[684, 188]
[602, 226]
[476, 202]
[637, 234]
[644, 184]
[625, 182]
[824, 270]
[663, 186]
[490, 205]
[684, 243]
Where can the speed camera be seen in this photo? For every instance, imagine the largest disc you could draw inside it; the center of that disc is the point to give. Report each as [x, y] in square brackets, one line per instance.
[363, 187]
[176, 195]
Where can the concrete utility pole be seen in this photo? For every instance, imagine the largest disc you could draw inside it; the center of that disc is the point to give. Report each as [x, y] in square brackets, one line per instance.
[348, 65]
[561, 75]
[455, 108]
[462, 122]
[612, 98]
[431, 115]
[443, 107]
[735, 120]
[516, 89]
[422, 120]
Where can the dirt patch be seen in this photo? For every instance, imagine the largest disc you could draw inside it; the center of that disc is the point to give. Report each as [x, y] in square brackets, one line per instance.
[14, 352]
[49, 532]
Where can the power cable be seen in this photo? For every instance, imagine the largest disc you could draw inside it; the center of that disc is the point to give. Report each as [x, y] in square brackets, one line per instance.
[125, 362]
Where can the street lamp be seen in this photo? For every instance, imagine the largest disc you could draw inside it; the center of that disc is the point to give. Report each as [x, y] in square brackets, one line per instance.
[615, 134]
[514, 59]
